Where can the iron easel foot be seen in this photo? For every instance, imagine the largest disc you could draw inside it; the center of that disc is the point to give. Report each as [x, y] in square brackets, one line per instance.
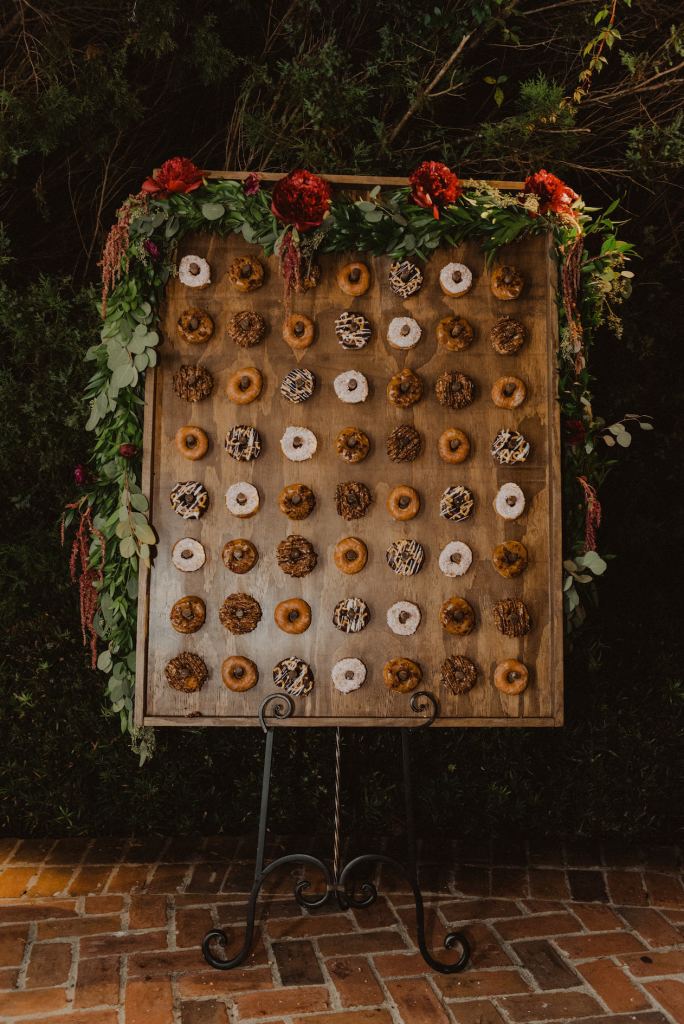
[341, 884]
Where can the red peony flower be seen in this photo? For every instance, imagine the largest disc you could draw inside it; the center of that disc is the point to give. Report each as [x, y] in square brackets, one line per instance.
[575, 432]
[175, 175]
[434, 185]
[252, 184]
[80, 475]
[301, 199]
[553, 194]
[128, 451]
[151, 248]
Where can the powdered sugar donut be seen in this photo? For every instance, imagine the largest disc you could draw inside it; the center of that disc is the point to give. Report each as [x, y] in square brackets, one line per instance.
[298, 444]
[403, 618]
[348, 674]
[403, 332]
[188, 555]
[509, 501]
[194, 272]
[242, 499]
[455, 279]
[455, 558]
[351, 387]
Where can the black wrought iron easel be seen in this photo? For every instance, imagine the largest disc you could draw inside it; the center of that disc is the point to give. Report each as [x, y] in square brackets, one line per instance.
[339, 884]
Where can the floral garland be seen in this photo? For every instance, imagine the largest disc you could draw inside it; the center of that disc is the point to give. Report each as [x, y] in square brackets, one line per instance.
[297, 219]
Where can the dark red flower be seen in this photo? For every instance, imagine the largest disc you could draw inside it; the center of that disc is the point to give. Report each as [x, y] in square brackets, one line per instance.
[301, 199]
[128, 451]
[151, 249]
[80, 475]
[434, 185]
[252, 184]
[175, 175]
[575, 432]
[553, 194]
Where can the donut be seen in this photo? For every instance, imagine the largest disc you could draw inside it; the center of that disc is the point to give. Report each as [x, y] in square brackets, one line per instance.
[189, 499]
[351, 615]
[351, 387]
[352, 444]
[352, 500]
[510, 558]
[510, 501]
[298, 331]
[296, 556]
[402, 675]
[353, 279]
[454, 390]
[404, 278]
[294, 676]
[405, 388]
[511, 677]
[457, 616]
[405, 557]
[455, 279]
[293, 615]
[404, 444]
[455, 558]
[188, 614]
[195, 326]
[192, 383]
[246, 273]
[458, 674]
[194, 272]
[239, 555]
[348, 675]
[510, 447]
[296, 501]
[453, 446]
[246, 328]
[240, 613]
[186, 672]
[507, 336]
[298, 385]
[512, 618]
[508, 392]
[350, 555]
[403, 332]
[454, 333]
[298, 444]
[243, 443]
[188, 555]
[353, 330]
[507, 283]
[244, 386]
[239, 674]
[403, 618]
[192, 442]
[456, 503]
[403, 503]
[242, 499]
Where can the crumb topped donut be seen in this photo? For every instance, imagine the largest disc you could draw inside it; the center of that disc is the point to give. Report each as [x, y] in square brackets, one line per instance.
[192, 442]
[507, 283]
[296, 501]
[296, 556]
[403, 332]
[246, 328]
[404, 444]
[353, 279]
[508, 392]
[403, 503]
[352, 499]
[352, 444]
[299, 331]
[239, 555]
[194, 272]
[240, 613]
[350, 555]
[246, 273]
[192, 383]
[457, 616]
[405, 278]
[455, 279]
[402, 675]
[507, 336]
[195, 326]
[511, 677]
[512, 618]
[244, 386]
[458, 674]
[455, 333]
[242, 499]
[453, 446]
[239, 674]
[293, 615]
[405, 388]
[454, 389]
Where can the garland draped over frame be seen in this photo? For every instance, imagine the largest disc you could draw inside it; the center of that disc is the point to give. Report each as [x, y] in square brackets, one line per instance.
[300, 217]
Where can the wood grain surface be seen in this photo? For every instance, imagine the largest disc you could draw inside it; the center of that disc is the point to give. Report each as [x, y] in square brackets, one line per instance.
[322, 645]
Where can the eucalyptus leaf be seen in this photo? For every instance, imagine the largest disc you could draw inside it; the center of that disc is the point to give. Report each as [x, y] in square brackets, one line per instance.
[127, 547]
[212, 211]
[139, 502]
[624, 440]
[123, 376]
[145, 533]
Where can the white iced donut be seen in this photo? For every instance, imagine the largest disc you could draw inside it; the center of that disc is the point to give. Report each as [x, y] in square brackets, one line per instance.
[455, 279]
[188, 555]
[242, 499]
[403, 332]
[403, 618]
[298, 444]
[509, 501]
[351, 387]
[455, 558]
[194, 272]
[348, 674]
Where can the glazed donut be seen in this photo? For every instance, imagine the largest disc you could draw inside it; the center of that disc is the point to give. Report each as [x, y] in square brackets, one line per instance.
[348, 675]
[298, 331]
[351, 387]
[402, 675]
[455, 279]
[405, 388]
[186, 672]
[509, 501]
[194, 272]
[188, 614]
[246, 273]
[350, 555]
[455, 558]
[244, 386]
[195, 326]
[353, 279]
[239, 674]
[298, 444]
[403, 332]
[403, 503]
[292, 615]
[457, 616]
[511, 677]
[239, 555]
[508, 392]
[246, 328]
[455, 333]
[510, 558]
[352, 444]
[188, 555]
[403, 618]
[192, 442]
[296, 501]
[453, 446]
[507, 283]
[242, 499]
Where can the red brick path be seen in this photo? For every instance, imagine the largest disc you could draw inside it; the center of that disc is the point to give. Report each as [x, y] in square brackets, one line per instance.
[108, 932]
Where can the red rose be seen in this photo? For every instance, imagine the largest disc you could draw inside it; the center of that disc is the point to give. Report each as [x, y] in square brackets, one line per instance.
[128, 451]
[434, 185]
[80, 475]
[575, 432]
[175, 175]
[301, 199]
[553, 194]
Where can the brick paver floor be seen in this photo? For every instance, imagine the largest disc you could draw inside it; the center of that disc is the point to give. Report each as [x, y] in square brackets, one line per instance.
[108, 932]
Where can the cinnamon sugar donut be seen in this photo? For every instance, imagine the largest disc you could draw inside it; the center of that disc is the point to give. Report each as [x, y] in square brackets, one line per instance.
[244, 386]
[350, 555]
[508, 392]
[192, 442]
[293, 615]
[511, 677]
[453, 446]
[353, 279]
[239, 674]
[403, 503]
[298, 331]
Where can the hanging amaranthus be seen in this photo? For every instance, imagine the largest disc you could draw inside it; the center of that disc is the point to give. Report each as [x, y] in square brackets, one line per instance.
[570, 286]
[88, 576]
[114, 261]
[592, 517]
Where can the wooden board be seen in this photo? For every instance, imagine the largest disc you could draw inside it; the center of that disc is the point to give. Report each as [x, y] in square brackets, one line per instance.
[322, 645]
